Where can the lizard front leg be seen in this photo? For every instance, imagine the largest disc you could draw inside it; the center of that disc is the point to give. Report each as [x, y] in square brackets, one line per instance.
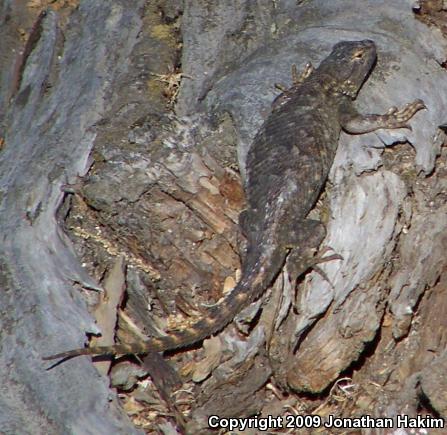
[356, 123]
[297, 77]
[297, 80]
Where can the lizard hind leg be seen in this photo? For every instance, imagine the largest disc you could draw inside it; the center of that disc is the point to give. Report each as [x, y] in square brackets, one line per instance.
[321, 258]
[304, 243]
[303, 239]
[299, 262]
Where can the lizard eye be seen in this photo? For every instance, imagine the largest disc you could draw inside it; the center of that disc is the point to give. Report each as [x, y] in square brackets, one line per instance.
[358, 54]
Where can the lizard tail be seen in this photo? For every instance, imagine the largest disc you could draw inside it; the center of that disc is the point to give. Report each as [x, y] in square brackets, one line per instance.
[249, 288]
[218, 317]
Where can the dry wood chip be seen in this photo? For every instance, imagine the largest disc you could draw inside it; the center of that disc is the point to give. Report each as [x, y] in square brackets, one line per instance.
[106, 311]
[213, 355]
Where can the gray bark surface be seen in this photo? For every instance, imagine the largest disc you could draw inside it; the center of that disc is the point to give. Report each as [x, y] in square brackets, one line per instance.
[48, 139]
[160, 188]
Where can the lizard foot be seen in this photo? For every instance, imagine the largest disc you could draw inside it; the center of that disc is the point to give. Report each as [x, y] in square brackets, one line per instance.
[299, 263]
[297, 78]
[395, 118]
[320, 258]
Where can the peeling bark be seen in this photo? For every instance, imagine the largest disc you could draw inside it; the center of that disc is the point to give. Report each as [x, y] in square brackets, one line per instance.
[95, 164]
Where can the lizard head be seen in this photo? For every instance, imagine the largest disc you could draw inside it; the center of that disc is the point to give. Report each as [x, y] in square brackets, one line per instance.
[348, 66]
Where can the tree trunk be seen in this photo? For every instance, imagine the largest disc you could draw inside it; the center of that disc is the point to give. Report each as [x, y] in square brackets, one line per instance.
[123, 125]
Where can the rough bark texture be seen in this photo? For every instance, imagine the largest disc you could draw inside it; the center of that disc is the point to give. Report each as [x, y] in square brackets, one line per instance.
[47, 142]
[90, 99]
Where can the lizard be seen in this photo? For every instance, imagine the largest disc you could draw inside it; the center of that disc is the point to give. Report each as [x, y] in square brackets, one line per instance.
[287, 166]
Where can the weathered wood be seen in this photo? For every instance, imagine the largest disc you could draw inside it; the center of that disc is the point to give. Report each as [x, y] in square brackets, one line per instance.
[161, 190]
[47, 141]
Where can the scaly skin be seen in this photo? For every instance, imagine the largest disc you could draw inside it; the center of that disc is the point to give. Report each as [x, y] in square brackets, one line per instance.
[287, 166]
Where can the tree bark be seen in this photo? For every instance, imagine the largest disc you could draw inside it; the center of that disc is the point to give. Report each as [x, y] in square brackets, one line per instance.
[123, 124]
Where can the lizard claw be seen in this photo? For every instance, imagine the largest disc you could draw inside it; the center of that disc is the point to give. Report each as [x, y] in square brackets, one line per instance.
[281, 87]
[323, 274]
[321, 259]
[420, 103]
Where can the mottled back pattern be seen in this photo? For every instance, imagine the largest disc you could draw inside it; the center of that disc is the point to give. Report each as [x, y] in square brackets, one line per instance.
[291, 155]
